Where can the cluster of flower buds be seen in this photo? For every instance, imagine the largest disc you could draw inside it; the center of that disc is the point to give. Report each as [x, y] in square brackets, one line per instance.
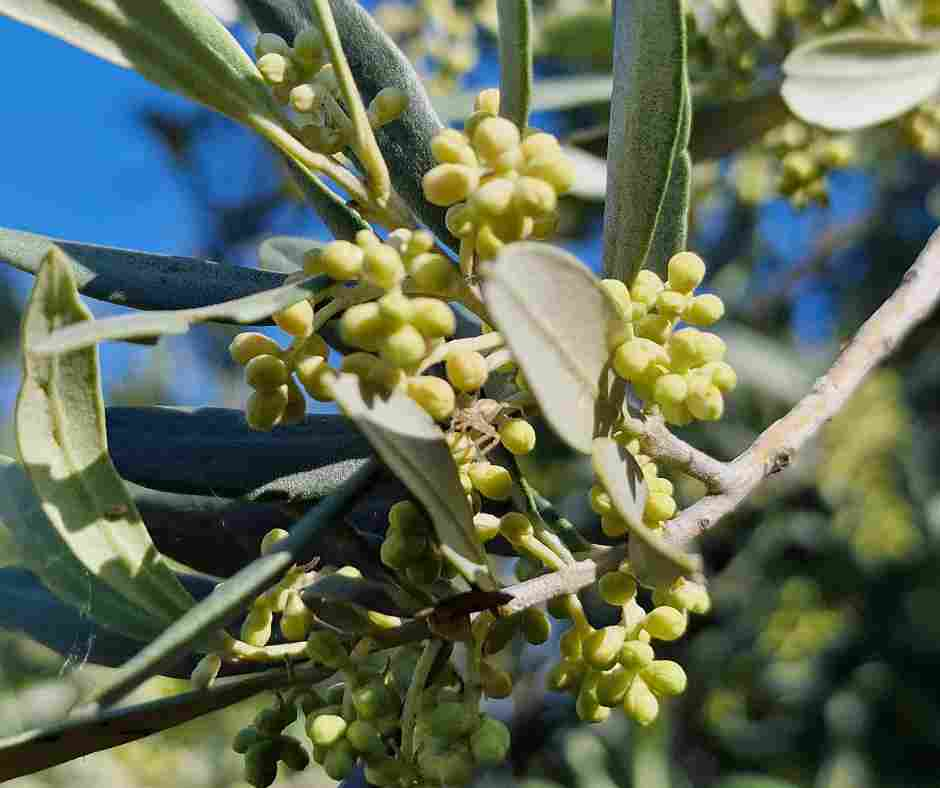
[498, 183]
[806, 157]
[264, 744]
[302, 77]
[616, 665]
[682, 371]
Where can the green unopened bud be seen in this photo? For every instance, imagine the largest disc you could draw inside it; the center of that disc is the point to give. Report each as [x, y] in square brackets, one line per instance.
[270, 42]
[325, 730]
[403, 347]
[245, 739]
[617, 588]
[450, 721]
[292, 753]
[490, 742]
[486, 526]
[704, 310]
[500, 633]
[388, 105]
[296, 320]
[325, 647]
[670, 390]
[365, 738]
[261, 764]
[600, 501]
[659, 507]
[455, 767]
[382, 266]
[566, 675]
[296, 619]
[372, 700]
[671, 304]
[705, 401]
[517, 436]
[665, 677]
[555, 169]
[636, 655]
[602, 647]
[452, 147]
[433, 317]
[249, 344]
[612, 686]
[571, 645]
[536, 628]
[587, 706]
[515, 526]
[447, 184]
[496, 683]
[640, 703]
[493, 481]
[665, 623]
[265, 408]
[275, 68]
[340, 761]
[271, 722]
[434, 273]
[691, 596]
[686, 271]
[256, 629]
[494, 136]
[646, 287]
[466, 370]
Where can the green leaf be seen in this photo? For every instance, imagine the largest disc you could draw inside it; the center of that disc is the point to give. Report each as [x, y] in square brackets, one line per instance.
[178, 44]
[646, 129]
[753, 781]
[582, 36]
[285, 253]
[35, 750]
[248, 309]
[339, 217]
[370, 594]
[886, 76]
[414, 449]
[590, 175]
[27, 606]
[223, 604]
[376, 63]
[515, 60]
[41, 548]
[138, 279]
[723, 127]
[547, 95]
[60, 433]
[622, 478]
[761, 16]
[554, 317]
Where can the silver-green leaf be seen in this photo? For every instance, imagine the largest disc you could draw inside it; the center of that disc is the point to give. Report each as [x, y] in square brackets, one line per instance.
[285, 253]
[554, 317]
[646, 130]
[60, 433]
[414, 449]
[622, 478]
[885, 75]
[370, 594]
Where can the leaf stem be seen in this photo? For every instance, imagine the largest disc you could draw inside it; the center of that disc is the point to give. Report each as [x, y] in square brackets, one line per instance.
[413, 698]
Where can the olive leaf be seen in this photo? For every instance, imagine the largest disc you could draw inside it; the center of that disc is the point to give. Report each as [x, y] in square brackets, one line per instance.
[554, 317]
[285, 253]
[414, 449]
[646, 128]
[178, 44]
[60, 434]
[761, 16]
[370, 594]
[248, 309]
[138, 279]
[885, 75]
[84, 734]
[622, 478]
[583, 36]
[515, 60]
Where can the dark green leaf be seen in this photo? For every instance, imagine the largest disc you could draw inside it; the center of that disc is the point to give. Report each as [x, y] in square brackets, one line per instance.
[370, 594]
[515, 60]
[60, 433]
[645, 128]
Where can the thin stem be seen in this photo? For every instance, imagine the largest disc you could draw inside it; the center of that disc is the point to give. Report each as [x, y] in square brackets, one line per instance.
[413, 698]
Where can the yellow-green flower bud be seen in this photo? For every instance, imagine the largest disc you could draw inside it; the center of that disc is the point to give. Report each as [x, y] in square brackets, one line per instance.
[365, 738]
[493, 481]
[249, 345]
[466, 370]
[612, 686]
[325, 648]
[325, 730]
[540, 145]
[704, 310]
[799, 168]
[267, 43]
[654, 327]
[460, 220]
[265, 408]
[587, 706]
[296, 320]
[686, 270]
[600, 501]
[340, 761]
[434, 395]
[272, 721]
[315, 376]
[515, 526]
[360, 364]
[383, 620]
[556, 169]
[517, 436]
[711, 347]
[453, 147]
[308, 46]
[296, 619]
[721, 374]
[206, 670]
[447, 184]
[305, 97]
[632, 359]
[362, 325]
[646, 287]
[486, 526]
[496, 683]
[341, 260]
[705, 401]
[434, 273]
[433, 318]
[382, 266]
[296, 408]
[493, 198]
[272, 538]
[636, 655]
[566, 675]
[388, 105]
[450, 721]
[487, 101]
[487, 243]
[570, 644]
[490, 742]
[691, 596]
[601, 648]
[536, 628]
[665, 623]
[659, 507]
[613, 525]
[533, 196]
[453, 767]
[670, 390]
[266, 373]
[640, 703]
[372, 700]
[665, 677]
[403, 347]
[275, 68]
[671, 304]
[256, 629]
[617, 588]
[494, 136]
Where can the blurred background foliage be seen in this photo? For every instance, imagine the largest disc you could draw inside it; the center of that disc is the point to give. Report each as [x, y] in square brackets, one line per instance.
[818, 665]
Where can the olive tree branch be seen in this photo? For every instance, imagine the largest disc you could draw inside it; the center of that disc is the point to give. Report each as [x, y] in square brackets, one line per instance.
[773, 450]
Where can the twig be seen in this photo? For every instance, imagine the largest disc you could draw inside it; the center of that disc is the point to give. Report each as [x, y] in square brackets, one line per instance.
[913, 300]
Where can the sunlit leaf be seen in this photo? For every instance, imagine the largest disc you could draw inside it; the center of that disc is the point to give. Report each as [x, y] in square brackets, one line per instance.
[622, 478]
[885, 76]
[414, 449]
[646, 128]
[760, 15]
[554, 317]
[60, 433]
[178, 44]
[285, 253]
[515, 60]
